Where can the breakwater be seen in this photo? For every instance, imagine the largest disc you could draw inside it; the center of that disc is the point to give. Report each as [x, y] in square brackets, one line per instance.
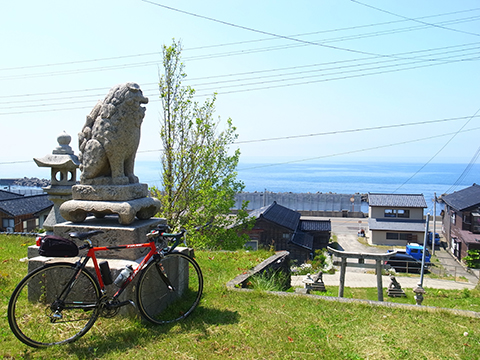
[313, 204]
[30, 182]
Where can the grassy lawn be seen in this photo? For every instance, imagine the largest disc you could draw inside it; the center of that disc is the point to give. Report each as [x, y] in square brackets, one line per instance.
[259, 325]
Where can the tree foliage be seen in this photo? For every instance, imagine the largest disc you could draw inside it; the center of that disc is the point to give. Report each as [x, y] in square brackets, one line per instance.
[199, 176]
[473, 259]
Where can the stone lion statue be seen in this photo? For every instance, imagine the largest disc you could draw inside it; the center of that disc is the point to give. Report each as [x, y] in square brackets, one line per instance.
[109, 139]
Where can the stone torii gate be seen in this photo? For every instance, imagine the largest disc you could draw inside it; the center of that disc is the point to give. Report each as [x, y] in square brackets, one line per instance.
[379, 259]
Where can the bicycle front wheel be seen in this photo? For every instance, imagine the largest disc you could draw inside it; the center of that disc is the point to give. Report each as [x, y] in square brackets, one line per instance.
[44, 310]
[170, 289]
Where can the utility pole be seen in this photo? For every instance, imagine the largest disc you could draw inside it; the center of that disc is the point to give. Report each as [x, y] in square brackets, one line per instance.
[434, 221]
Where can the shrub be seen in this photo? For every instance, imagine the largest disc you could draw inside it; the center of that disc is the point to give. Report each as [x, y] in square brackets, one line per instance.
[473, 259]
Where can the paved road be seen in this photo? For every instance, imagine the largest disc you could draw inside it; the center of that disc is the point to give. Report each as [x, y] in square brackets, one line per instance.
[346, 230]
[363, 280]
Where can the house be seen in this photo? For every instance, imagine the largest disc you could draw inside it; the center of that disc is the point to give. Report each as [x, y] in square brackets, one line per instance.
[461, 220]
[20, 213]
[6, 195]
[283, 229]
[396, 219]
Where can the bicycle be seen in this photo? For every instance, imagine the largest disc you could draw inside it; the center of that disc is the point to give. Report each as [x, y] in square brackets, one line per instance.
[59, 302]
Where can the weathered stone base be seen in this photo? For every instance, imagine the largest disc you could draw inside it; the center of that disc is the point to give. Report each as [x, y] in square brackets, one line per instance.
[109, 192]
[396, 293]
[77, 210]
[113, 234]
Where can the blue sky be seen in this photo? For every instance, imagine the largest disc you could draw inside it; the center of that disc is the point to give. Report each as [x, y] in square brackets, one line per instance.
[326, 80]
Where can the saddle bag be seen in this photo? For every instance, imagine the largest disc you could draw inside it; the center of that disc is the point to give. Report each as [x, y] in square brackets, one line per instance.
[56, 246]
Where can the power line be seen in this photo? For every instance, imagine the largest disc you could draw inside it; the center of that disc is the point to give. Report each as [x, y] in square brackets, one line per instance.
[323, 41]
[241, 87]
[415, 20]
[325, 80]
[251, 41]
[468, 167]
[280, 72]
[439, 151]
[445, 60]
[334, 133]
[355, 130]
[265, 32]
[355, 151]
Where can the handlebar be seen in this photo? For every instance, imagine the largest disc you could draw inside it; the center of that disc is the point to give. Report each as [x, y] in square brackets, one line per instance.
[155, 233]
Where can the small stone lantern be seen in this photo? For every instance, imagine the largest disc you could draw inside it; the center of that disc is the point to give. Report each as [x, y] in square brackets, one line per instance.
[63, 164]
[308, 283]
[419, 291]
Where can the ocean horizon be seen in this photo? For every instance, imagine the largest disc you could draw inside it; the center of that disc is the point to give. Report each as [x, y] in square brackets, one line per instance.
[345, 178]
[342, 178]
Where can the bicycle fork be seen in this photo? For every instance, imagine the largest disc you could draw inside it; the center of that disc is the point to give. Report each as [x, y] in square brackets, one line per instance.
[161, 272]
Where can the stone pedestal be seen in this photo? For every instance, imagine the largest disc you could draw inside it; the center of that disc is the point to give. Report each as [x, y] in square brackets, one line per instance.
[77, 210]
[126, 201]
[114, 234]
[395, 289]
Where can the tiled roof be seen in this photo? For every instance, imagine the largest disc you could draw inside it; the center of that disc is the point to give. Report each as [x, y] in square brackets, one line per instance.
[397, 200]
[25, 205]
[396, 225]
[303, 239]
[4, 195]
[464, 199]
[315, 225]
[278, 214]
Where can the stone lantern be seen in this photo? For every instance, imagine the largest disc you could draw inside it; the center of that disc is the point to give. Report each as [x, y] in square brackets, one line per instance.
[63, 164]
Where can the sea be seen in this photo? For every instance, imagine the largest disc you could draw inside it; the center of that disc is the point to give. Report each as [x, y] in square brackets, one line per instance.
[344, 178]
[350, 178]
[362, 177]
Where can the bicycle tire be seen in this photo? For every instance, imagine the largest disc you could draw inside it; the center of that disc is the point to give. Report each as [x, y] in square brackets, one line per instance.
[30, 309]
[160, 305]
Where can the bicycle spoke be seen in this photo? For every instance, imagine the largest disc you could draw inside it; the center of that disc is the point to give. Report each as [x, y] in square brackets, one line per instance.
[38, 318]
[162, 304]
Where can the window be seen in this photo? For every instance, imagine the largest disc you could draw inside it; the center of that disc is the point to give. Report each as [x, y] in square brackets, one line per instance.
[8, 223]
[397, 213]
[401, 236]
[286, 236]
[389, 213]
[408, 237]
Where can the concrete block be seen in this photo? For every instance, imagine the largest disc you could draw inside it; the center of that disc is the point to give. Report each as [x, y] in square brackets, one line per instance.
[114, 234]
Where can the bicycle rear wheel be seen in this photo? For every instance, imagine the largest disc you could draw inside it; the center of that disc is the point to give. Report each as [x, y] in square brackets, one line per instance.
[41, 315]
[160, 304]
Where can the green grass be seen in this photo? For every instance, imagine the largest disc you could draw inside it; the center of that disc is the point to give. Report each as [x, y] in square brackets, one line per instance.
[259, 325]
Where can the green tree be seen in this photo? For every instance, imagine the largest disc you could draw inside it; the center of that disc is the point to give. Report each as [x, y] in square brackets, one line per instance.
[199, 177]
